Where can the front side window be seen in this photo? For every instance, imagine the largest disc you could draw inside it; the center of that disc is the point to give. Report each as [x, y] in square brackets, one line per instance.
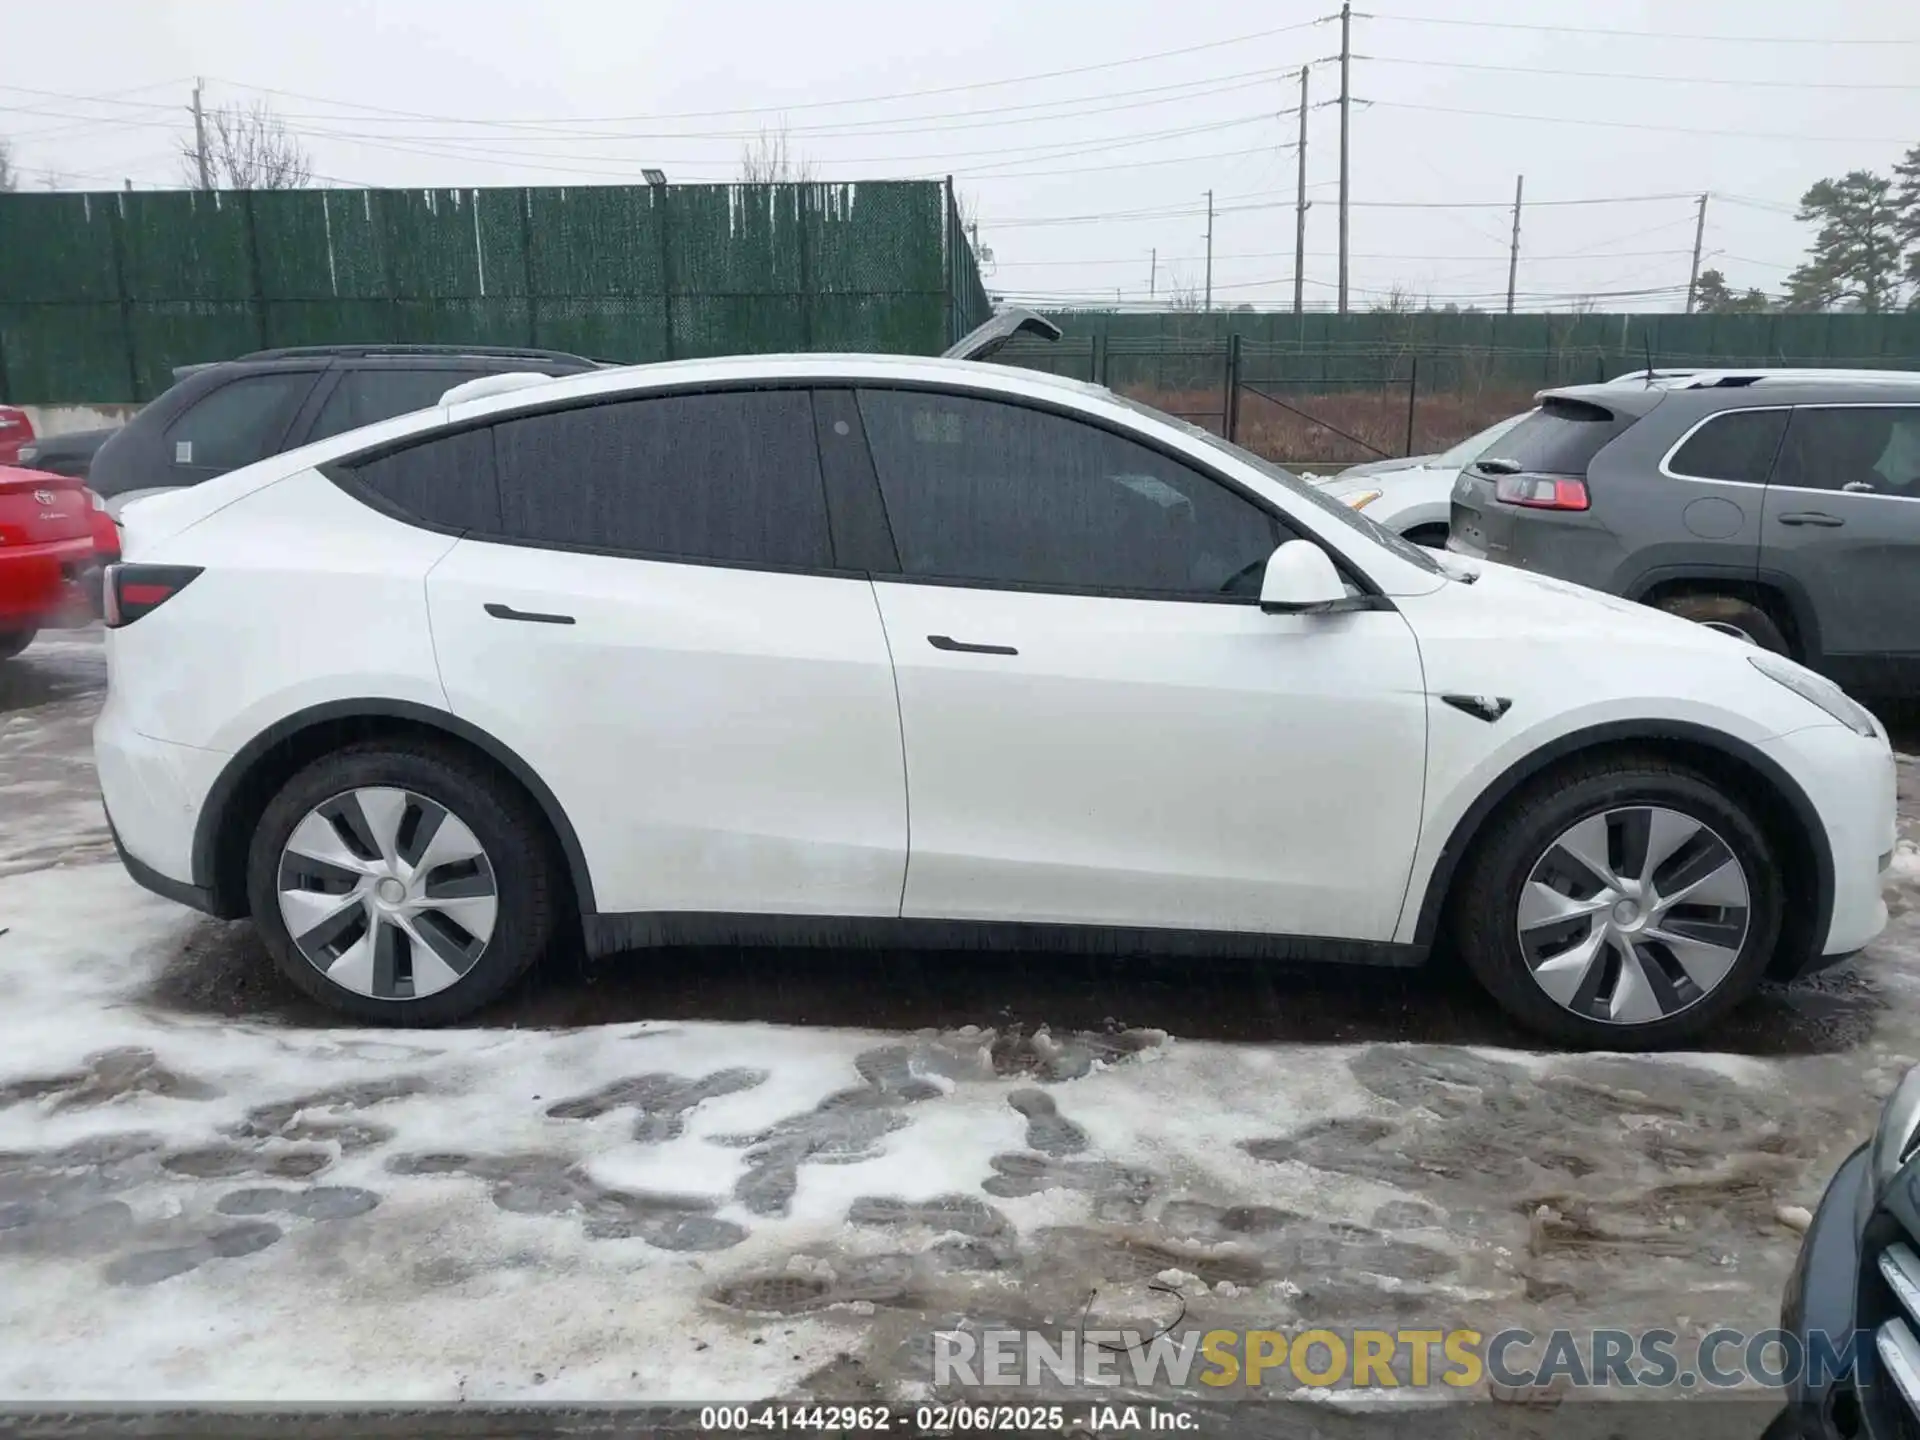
[1862, 449]
[731, 477]
[979, 489]
[239, 423]
[1739, 445]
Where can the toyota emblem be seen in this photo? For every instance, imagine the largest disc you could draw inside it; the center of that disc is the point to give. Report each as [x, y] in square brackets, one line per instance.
[45, 497]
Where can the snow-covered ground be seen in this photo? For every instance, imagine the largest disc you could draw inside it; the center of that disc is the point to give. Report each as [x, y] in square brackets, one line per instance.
[200, 1205]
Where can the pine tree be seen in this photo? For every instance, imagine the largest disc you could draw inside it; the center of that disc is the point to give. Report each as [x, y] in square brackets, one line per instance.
[1856, 256]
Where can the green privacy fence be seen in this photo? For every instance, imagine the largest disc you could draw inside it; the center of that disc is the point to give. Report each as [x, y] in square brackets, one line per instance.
[101, 295]
[1454, 352]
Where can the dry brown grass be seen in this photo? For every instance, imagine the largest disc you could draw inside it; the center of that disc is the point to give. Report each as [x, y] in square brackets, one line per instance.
[1378, 417]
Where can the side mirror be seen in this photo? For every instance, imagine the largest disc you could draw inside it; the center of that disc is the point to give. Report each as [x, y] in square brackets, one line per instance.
[1300, 578]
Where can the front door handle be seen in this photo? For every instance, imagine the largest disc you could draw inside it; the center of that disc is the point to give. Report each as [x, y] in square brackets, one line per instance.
[537, 617]
[947, 642]
[1812, 517]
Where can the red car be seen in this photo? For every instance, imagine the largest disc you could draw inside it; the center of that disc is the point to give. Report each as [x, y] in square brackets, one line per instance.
[55, 535]
[15, 430]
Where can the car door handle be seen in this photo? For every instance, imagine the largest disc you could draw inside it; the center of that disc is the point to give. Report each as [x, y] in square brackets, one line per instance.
[947, 642]
[537, 617]
[1812, 517]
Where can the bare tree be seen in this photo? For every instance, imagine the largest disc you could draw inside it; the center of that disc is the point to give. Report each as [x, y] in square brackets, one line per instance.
[248, 148]
[9, 176]
[770, 159]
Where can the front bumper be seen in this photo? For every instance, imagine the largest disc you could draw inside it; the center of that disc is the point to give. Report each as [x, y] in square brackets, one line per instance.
[1819, 1303]
[1850, 781]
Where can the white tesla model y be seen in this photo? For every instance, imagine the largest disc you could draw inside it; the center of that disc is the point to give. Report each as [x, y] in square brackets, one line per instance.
[856, 649]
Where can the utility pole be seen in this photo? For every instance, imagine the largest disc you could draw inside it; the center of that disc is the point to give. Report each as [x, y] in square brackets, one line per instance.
[1153, 273]
[1346, 105]
[200, 138]
[1699, 233]
[1300, 205]
[1513, 254]
[1209, 249]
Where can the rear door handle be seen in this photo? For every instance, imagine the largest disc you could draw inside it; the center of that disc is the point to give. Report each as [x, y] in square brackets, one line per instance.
[537, 617]
[1812, 517]
[947, 642]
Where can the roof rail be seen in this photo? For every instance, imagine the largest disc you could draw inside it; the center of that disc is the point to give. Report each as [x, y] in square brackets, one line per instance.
[504, 352]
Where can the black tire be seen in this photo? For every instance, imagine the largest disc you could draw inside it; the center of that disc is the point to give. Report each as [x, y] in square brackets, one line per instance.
[1727, 612]
[509, 827]
[1487, 895]
[12, 642]
[1434, 537]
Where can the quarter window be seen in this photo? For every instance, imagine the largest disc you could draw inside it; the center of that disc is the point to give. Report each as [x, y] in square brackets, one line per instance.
[732, 476]
[447, 481]
[1738, 445]
[241, 422]
[1863, 449]
[980, 490]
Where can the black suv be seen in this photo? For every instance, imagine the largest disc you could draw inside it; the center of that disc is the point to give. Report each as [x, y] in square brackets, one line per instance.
[218, 417]
[1780, 506]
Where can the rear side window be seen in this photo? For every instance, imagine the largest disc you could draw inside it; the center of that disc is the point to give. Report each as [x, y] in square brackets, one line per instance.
[1739, 445]
[1560, 438]
[365, 396]
[1862, 449]
[732, 477]
[447, 481]
[241, 422]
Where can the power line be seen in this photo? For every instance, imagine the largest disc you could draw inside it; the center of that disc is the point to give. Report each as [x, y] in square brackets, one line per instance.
[1629, 75]
[1640, 34]
[1641, 125]
[1357, 255]
[818, 104]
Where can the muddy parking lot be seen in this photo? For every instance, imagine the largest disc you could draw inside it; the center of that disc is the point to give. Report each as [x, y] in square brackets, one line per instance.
[738, 1173]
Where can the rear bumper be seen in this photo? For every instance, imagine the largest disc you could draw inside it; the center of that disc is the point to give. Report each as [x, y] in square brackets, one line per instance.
[153, 791]
[194, 897]
[49, 586]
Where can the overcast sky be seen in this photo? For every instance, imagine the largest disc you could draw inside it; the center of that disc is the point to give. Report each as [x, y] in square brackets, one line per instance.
[1046, 111]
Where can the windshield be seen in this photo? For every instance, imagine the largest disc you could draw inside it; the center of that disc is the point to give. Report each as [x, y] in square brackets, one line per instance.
[1474, 446]
[1312, 494]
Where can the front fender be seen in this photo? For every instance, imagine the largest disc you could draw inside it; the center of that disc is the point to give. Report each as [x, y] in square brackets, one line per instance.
[1471, 772]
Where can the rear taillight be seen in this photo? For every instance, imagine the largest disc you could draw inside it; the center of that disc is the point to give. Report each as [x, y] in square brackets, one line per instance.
[136, 590]
[1542, 492]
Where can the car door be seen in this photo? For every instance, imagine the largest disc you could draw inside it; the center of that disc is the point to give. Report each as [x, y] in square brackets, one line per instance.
[647, 611]
[1101, 725]
[1842, 520]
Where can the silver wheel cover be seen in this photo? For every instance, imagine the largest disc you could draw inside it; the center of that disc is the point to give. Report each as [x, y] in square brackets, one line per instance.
[1633, 915]
[387, 893]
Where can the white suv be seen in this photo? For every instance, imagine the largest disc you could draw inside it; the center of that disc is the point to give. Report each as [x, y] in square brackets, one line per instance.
[861, 649]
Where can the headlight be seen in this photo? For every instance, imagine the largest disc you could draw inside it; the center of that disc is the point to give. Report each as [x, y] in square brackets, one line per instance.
[29, 452]
[1816, 691]
[1894, 1142]
[1360, 499]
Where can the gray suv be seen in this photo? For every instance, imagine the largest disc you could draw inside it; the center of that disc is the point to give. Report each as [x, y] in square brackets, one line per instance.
[1781, 506]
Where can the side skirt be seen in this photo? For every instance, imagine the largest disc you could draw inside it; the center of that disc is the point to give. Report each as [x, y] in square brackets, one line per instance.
[608, 934]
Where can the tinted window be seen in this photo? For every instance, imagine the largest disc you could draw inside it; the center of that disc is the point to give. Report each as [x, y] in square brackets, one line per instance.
[445, 481]
[980, 490]
[1559, 438]
[1738, 445]
[1871, 447]
[365, 396]
[239, 423]
[716, 477]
